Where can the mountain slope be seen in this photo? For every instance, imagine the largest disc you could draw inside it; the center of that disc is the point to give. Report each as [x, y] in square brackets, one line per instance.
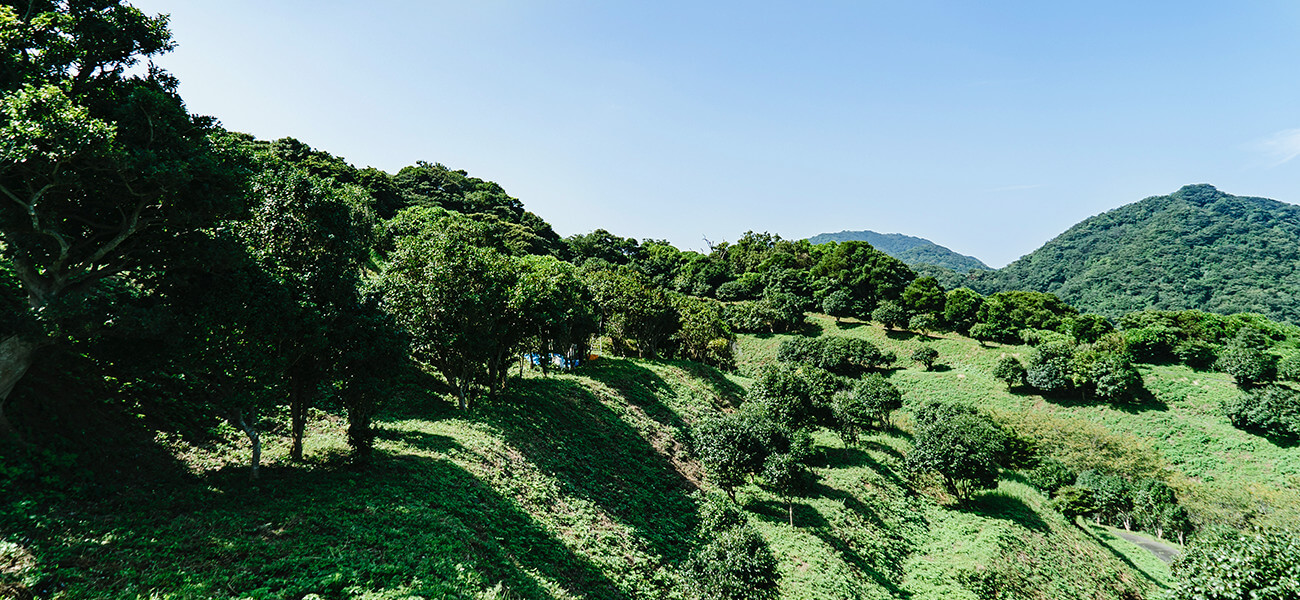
[1196, 248]
[909, 249]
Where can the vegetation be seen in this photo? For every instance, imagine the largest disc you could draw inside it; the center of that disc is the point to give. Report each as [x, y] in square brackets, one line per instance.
[911, 250]
[232, 367]
[1195, 248]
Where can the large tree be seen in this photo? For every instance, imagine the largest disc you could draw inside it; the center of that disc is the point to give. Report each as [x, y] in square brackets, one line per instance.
[101, 166]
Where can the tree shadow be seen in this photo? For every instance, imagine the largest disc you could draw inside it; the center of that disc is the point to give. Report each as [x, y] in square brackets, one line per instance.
[777, 513]
[731, 393]
[1141, 401]
[849, 325]
[407, 523]
[1099, 533]
[996, 504]
[810, 329]
[567, 432]
[900, 334]
[859, 457]
[852, 557]
[940, 368]
[419, 439]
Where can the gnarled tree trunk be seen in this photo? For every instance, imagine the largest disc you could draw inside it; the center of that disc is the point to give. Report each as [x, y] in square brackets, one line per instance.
[255, 463]
[16, 356]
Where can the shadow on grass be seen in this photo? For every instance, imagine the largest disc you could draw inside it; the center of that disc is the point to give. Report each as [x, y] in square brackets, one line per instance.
[419, 439]
[1001, 505]
[566, 431]
[940, 368]
[859, 457]
[852, 557]
[778, 512]
[1142, 401]
[1099, 533]
[727, 390]
[411, 523]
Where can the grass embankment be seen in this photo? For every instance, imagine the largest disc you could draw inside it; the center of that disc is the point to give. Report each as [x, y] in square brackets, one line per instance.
[574, 486]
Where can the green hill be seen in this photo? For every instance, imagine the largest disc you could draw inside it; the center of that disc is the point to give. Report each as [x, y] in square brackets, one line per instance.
[909, 249]
[1196, 248]
[573, 486]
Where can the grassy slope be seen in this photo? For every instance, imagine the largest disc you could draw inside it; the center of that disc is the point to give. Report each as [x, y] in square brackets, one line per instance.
[1224, 474]
[569, 487]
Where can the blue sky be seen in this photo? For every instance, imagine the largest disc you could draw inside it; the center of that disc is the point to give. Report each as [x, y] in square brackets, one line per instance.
[988, 127]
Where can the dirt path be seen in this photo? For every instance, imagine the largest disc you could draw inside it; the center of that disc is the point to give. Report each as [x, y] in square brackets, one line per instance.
[1162, 551]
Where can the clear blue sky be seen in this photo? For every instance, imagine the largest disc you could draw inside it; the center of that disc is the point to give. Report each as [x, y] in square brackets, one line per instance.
[988, 127]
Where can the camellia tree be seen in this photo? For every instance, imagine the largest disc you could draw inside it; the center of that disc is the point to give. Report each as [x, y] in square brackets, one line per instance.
[101, 168]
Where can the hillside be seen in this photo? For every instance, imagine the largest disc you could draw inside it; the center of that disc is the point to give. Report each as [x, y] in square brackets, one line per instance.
[909, 249]
[1196, 248]
[574, 486]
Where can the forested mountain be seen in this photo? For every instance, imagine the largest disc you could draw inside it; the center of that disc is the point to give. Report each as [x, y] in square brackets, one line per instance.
[1195, 248]
[909, 249]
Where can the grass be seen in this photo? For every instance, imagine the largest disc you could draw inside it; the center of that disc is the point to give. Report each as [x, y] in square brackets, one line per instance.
[1224, 475]
[573, 486]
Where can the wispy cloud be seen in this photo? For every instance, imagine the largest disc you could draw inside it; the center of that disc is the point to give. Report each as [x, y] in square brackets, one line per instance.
[1281, 147]
[1015, 188]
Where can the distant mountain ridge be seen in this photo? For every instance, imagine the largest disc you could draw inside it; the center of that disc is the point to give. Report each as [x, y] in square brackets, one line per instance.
[1195, 248]
[909, 249]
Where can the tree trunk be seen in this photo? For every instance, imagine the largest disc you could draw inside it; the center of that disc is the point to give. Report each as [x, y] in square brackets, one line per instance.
[302, 387]
[460, 393]
[544, 357]
[255, 463]
[16, 356]
[789, 505]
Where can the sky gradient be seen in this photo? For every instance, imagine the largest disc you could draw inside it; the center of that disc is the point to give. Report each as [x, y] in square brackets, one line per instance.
[986, 127]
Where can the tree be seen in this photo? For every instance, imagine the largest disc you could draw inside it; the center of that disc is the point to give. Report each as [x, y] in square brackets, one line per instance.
[1288, 368]
[1088, 328]
[787, 476]
[312, 237]
[453, 298]
[552, 307]
[839, 303]
[1248, 366]
[926, 356]
[1232, 565]
[637, 315]
[961, 309]
[704, 335]
[865, 405]
[869, 274]
[959, 444]
[1049, 367]
[922, 324]
[733, 562]
[1073, 502]
[923, 296]
[890, 314]
[100, 171]
[1113, 496]
[728, 450]
[1010, 371]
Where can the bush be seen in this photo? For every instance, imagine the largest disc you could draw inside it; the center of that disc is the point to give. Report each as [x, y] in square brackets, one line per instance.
[890, 314]
[922, 323]
[1049, 367]
[1051, 475]
[1196, 354]
[839, 303]
[1289, 367]
[1152, 344]
[733, 562]
[1010, 372]
[1233, 565]
[740, 289]
[983, 332]
[926, 356]
[1248, 366]
[839, 355]
[958, 443]
[1272, 410]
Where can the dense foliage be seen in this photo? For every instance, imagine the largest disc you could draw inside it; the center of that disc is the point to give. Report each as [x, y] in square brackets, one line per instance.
[911, 250]
[1196, 248]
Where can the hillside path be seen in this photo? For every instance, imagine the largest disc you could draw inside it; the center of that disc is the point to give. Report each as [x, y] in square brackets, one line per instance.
[1162, 551]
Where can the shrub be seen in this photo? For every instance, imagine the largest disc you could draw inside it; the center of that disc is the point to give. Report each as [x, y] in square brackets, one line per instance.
[983, 332]
[959, 444]
[1196, 354]
[926, 356]
[1049, 367]
[1248, 366]
[1010, 372]
[1151, 344]
[1051, 475]
[839, 355]
[1232, 565]
[1289, 367]
[922, 323]
[1272, 410]
[1073, 501]
[890, 314]
[839, 303]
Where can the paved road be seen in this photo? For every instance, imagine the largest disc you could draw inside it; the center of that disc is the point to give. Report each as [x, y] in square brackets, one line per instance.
[1162, 551]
